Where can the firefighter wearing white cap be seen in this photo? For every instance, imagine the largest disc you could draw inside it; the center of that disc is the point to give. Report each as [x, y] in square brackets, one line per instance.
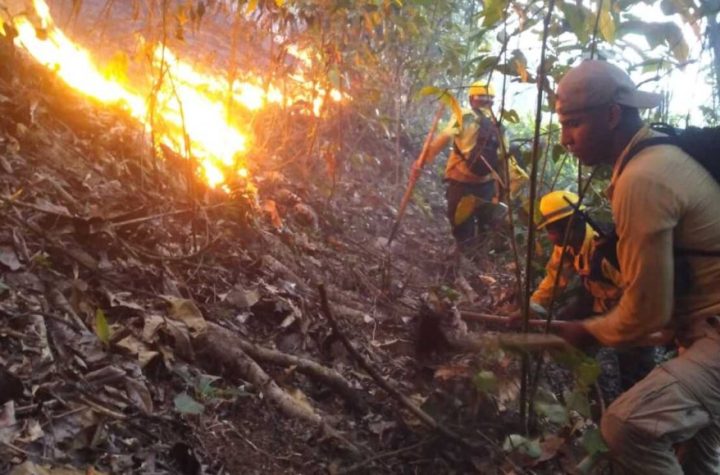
[662, 200]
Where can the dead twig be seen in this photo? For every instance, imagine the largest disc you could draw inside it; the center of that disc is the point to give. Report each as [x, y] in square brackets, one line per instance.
[158, 257]
[56, 318]
[384, 455]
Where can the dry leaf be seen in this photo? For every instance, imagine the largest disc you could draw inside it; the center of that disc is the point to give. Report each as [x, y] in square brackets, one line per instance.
[184, 310]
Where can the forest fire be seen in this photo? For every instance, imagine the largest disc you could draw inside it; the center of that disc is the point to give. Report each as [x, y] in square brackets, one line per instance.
[188, 110]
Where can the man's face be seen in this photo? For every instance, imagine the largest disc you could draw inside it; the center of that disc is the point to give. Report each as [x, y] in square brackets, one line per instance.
[481, 102]
[587, 134]
[556, 232]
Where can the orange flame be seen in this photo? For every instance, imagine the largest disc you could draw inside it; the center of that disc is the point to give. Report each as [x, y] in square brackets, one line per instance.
[190, 109]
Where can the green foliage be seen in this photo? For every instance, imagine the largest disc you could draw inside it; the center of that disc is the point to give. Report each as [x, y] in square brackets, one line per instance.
[493, 12]
[446, 98]
[185, 404]
[520, 444]
[485, 382]
[102, 329]
[593, 442]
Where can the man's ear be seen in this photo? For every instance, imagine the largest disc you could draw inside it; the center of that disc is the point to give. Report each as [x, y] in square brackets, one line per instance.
[614, 115]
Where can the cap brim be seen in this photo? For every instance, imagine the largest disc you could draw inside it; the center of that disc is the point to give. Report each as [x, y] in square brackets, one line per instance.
[642, 100]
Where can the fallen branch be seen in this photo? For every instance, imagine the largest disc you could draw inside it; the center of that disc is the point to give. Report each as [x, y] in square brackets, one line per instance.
[508, 321]
[221, 346]
[658, 338]
[384, 455]
[306, 366]
[423, 416]
[161, 258]
[56, 318]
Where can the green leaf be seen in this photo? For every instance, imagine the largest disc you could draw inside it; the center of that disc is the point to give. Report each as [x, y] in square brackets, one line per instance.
[485, 64]
[185, 404]
[518, 443]
[446, 98]
[485, 382]
[578, 401]
[493, 12]
[676, 42]
[656, 34]
[555, 413]
[577, 16]
[607, 23]
[102, 329]
[519, 61]
[510, 116]
[593, 441]
[587, 372]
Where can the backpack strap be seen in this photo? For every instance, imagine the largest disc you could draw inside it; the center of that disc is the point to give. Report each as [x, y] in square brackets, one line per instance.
[679, 251]
[642, 145]
[669, 140]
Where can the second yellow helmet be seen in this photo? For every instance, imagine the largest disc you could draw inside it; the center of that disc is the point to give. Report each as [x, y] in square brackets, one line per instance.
[554, 206]
[481, 88]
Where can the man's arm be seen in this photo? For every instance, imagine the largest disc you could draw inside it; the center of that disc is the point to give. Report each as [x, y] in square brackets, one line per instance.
[438, 144]
[646, 213]
[544, 292]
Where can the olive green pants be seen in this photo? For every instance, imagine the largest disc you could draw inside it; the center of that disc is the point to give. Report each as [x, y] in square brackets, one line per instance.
[676, 406]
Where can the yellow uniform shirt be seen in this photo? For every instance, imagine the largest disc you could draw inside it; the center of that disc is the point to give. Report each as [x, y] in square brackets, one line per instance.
[603, 283]
[464, 138]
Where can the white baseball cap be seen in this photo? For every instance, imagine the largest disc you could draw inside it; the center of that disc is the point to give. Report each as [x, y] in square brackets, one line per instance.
[594, 82]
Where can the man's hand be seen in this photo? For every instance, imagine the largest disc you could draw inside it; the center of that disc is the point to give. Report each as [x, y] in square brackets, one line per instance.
[576, 334]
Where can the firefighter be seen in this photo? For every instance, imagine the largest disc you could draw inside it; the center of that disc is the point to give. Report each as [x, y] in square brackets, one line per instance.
[593, 258]
[473, 169]
[662, 200]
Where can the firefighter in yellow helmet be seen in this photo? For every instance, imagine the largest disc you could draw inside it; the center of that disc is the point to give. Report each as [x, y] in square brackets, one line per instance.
[593, 259]
[599, 273]
[473, 167]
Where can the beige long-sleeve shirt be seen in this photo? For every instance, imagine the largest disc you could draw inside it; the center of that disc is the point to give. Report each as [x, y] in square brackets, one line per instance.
[662, 200]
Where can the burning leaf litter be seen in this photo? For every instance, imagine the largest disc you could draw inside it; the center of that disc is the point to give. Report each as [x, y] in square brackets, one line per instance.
[189, 110]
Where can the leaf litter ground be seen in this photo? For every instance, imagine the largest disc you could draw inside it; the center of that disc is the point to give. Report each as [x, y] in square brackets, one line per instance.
[142, 331]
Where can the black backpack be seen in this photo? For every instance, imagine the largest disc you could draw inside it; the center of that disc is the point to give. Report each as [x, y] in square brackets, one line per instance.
[484, 153]
[701, 143]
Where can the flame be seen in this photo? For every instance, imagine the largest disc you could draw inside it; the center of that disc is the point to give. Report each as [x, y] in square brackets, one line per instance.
[190, 112]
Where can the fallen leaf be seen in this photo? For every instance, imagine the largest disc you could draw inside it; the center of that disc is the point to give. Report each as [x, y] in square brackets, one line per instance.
[186, 311]
[185, 404]
[241, 298]
[446, 373]
[139, 394]
[102, 329]
[9, 259]
[151, 327]
[183, 345]
[145, 357]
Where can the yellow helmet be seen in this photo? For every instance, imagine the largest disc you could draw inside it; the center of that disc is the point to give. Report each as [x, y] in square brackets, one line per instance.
[481, 88]
[554, 207]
